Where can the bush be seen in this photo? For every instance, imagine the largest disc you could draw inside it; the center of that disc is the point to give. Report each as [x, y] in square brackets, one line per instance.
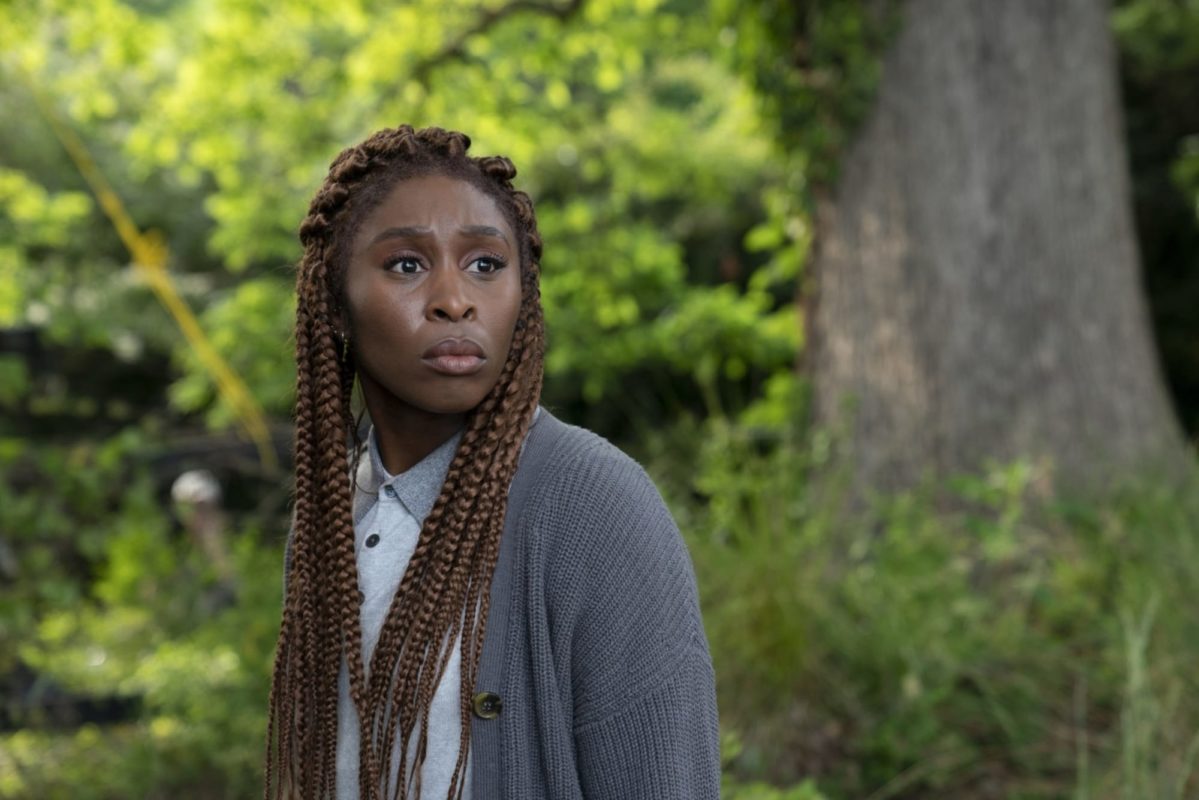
[975, 638]
[139, 626]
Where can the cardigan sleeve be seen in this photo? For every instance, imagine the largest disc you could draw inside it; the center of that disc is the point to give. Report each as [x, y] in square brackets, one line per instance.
[641, 683]
[663, 745]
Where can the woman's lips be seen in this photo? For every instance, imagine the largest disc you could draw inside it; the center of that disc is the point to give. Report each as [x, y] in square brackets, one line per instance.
[455, 357]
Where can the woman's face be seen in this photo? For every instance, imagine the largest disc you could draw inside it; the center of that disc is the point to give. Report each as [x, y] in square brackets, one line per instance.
[432, 293]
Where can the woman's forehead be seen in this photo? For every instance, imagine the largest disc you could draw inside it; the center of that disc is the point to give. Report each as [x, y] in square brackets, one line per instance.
[436, 202]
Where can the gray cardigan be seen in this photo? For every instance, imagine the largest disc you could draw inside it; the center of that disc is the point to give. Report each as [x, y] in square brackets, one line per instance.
[594, 643]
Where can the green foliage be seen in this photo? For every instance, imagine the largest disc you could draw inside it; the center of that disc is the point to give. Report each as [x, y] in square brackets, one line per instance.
[14, 380]
[758, 790]
[256, 310]
[731, 748]
[1186, 170]
[154, 626]
[966, 634]
[1157, 748]
[648, 157]
[33, 222]
[816, 63]
[1158, 35]
[56, 513]
[1159, 68]
[1159, 39]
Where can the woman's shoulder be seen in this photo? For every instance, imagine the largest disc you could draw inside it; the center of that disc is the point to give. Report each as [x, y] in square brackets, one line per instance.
[586, 500]
[580, 469]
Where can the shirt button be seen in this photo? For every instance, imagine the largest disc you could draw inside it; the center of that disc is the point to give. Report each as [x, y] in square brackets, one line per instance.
[391, 492]
[487, 705]
[372, 540]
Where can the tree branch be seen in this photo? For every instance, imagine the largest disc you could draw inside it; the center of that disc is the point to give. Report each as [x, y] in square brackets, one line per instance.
[455, 49]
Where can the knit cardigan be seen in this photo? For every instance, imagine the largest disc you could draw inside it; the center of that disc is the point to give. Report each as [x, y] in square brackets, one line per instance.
[594, 639]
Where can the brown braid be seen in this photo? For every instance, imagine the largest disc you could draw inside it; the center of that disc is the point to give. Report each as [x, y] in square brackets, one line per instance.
[443, 597]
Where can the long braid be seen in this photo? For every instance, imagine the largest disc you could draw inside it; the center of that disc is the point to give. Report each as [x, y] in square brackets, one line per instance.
[443, 596]
[295, 657]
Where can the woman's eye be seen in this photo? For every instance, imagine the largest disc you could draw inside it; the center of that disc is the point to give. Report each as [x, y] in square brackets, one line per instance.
[487, 265]
[404, 264]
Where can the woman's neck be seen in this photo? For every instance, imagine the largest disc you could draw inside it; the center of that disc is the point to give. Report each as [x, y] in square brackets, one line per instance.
[405, 438]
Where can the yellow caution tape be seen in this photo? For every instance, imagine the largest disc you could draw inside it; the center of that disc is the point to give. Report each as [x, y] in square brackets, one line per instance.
[150, 254]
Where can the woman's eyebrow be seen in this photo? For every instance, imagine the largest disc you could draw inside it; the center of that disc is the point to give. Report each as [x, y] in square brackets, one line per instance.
[484, 230]
[418, 231]
[407, 232]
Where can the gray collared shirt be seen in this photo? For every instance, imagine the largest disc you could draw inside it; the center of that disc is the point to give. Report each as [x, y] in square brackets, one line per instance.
[388, 513]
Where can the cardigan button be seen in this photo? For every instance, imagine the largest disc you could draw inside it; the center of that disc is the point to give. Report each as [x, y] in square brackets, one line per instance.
[487, 705]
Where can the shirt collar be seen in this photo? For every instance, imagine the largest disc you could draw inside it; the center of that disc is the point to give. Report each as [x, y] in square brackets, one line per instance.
[418, 487]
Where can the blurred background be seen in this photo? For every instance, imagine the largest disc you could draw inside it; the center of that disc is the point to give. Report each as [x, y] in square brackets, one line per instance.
[895, 299]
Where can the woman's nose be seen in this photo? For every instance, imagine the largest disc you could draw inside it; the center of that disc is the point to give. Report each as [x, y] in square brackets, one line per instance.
[449, 298]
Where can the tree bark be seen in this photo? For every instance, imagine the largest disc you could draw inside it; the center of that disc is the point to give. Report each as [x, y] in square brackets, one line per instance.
[976, 278]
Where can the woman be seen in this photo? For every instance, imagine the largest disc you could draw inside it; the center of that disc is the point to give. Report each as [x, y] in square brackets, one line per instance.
[487, 602]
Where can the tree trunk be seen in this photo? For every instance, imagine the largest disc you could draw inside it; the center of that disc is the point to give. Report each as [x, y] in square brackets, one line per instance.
[977, 291]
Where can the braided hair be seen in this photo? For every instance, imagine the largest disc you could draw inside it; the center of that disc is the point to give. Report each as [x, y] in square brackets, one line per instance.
[443, 597]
